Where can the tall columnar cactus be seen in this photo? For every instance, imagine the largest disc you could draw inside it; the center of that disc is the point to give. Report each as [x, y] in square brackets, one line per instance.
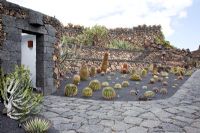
[71, 90]
[18, 96]
[84, 72]
[105, 63]
[108, 93]
[124, 68]
[93, 71]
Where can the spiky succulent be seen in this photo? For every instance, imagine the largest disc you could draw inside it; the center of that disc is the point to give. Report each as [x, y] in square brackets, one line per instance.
[87, 92]
[155, 77]
[105, 84]
[37, 125]
[76, 79]
[71, 90]
[165, 83]
[95, 85]
[135, 77]
[163, 91]
[108, 93]
[117, 86]
[125, 84]
[149, 94]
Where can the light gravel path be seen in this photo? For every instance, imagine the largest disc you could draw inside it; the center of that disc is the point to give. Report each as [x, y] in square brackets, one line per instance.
[178, 114]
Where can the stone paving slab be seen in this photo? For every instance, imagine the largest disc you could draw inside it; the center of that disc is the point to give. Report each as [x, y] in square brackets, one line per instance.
[180, 113]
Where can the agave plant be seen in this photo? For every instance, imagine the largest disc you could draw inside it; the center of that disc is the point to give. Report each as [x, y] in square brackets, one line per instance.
[37, 125]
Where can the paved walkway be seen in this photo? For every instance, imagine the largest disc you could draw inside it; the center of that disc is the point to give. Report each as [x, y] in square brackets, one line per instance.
[180, 113]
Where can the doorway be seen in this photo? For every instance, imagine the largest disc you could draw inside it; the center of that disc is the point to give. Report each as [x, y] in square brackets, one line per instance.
[28, 55]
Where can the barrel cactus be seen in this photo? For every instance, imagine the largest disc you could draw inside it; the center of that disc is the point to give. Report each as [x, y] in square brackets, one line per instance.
[87, 92]
[152, 81]
[135, 77]
[125, 84]
[108, 93]
[163, 91]
[76, 79]
[144, 72]
[149, 94]
[84, 73]
[95, 85]
[117, 86]
[71, 90]
[105, 84]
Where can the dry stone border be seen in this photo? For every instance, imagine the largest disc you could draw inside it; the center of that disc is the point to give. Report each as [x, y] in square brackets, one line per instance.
[180, 113]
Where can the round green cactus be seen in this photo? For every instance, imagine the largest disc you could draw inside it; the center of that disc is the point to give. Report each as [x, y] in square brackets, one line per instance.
[135, 77]
[125, 84]
[71, 90]
[117, 86]
[87, 92]
[105, 84]
[152, 81]
[95, 85]
[76, 79]
[149, 94]
[108, 93]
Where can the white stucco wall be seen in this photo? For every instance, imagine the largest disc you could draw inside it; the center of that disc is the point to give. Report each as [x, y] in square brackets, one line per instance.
[28, 55]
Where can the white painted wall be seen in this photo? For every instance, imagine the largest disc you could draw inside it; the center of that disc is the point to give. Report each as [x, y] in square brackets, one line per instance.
[28, 55]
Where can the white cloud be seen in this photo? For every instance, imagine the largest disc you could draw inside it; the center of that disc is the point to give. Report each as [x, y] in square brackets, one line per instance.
[113, 13]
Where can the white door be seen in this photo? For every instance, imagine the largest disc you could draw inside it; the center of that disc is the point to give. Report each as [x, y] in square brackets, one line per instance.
[28, 55]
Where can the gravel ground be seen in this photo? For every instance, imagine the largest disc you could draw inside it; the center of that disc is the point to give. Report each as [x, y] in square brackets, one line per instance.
[124, 93]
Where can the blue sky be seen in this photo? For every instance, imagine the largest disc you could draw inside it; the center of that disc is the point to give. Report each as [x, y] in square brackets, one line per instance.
[180, 19]
[187, 30]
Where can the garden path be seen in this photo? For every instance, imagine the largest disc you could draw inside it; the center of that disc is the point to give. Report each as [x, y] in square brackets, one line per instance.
[180, 113]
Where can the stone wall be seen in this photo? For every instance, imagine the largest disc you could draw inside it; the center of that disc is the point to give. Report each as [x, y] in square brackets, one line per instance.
[92, 56]
[141, 35]
[15, 20]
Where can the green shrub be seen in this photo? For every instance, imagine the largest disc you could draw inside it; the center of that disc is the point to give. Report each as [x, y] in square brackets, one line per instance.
[37, 125]
[95, 85]
[117, 86]
[71, 90]
[125, 84]
[108, 93]
[87, 92]
[19, 99]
